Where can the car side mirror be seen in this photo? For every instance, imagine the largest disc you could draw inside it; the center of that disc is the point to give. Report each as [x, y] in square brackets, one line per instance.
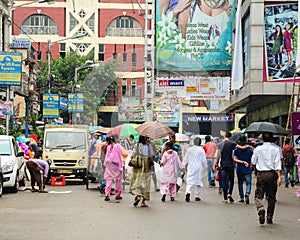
[20, 154]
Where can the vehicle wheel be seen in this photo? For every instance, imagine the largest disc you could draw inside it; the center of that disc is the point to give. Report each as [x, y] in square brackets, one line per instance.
[16, 186]
[1, 186]
[22, 183]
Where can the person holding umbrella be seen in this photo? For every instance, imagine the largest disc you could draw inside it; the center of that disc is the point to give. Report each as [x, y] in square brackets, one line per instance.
[266, 158]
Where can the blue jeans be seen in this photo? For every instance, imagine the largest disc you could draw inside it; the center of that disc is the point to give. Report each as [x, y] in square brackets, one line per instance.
[287, 171]
[227, 180]
[241, 179]
[211, 175]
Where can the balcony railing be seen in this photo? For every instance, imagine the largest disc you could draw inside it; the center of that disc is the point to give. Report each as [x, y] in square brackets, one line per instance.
[38, 30]
[124, 32]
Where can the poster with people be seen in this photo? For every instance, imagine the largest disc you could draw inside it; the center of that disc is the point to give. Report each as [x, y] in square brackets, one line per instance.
[281, 28]
[194, 34]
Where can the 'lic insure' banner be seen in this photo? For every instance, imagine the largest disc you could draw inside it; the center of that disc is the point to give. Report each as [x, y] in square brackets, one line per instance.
[50, 105]
[194, 34]
[10, 68]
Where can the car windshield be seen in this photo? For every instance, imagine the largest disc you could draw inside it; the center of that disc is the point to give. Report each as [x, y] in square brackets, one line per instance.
[65, 140]
[5, 148]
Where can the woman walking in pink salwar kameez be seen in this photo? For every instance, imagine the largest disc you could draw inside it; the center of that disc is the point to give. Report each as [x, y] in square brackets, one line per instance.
[170, 162]
[113, 168]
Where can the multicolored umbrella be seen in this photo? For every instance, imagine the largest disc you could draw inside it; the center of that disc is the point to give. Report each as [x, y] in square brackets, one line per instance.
[123, 130]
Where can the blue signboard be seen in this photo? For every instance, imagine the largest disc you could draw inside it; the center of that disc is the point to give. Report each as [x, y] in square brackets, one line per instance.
[75, 102]
[63, 104]
[10, 68]
[21, 43]
[50, 105]
[208, 118]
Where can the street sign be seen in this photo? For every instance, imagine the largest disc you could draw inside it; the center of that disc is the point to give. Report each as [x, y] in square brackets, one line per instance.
[63, 104]
[75, 102]
[10, 68]
[21, 43]
[50, 105]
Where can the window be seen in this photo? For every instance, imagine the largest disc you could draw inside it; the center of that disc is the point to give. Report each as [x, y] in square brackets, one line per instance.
[101, 52]
[124, 65]
[133, 61]
[62, 50]
[81, 31]
[124, 86]
[82, 47]
[124, 27]
[82, 13]
[39, 25]
[73, 22]
[91, 22]
[133, 87]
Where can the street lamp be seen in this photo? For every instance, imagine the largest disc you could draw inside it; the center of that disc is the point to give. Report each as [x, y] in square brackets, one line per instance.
[49, 54]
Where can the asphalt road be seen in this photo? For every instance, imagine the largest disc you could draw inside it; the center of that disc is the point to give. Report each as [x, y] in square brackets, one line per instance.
[72, 212]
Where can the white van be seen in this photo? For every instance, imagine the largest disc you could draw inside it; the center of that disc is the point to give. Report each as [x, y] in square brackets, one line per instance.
[12, 163]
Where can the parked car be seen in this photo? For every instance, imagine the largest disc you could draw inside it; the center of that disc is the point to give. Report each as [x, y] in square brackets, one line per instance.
[12, 163]
[1, 180]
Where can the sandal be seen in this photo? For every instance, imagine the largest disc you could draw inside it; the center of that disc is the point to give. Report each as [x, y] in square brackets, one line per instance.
[34, 190]
[144, 204]
[136, 201]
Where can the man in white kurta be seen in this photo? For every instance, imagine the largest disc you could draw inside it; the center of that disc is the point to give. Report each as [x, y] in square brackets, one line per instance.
[195, 160]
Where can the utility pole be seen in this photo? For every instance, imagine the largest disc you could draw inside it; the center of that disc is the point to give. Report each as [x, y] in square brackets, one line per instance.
[149, 60]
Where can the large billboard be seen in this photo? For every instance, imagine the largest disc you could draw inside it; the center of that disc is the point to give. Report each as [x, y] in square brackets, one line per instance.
[191, 88]
[281, 30]
[194, 34]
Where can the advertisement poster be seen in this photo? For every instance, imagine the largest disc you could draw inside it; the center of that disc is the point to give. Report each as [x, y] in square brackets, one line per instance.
[189, 88]
[50, 105]
[194, 34]
[10, 68]
[281, 27]
[6, 108]
[130, 109]
[167, 107]
[75, 102]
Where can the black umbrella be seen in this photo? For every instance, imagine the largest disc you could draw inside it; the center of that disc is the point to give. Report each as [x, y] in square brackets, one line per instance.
[261, 127]
[236, 136]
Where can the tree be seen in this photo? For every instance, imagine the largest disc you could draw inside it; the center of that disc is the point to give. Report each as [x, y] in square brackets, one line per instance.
[63, 70]
[95, 82]
[96, 87]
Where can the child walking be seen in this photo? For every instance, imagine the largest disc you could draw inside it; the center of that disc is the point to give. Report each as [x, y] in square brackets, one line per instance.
[170, 162]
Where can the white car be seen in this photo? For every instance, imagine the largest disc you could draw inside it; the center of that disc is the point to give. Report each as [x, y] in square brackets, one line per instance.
[12, 163]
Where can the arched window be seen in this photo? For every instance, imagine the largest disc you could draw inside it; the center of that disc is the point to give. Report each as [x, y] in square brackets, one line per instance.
[39, 24]
[124, 27]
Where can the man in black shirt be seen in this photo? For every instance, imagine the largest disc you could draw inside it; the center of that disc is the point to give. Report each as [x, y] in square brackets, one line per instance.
[225, 153]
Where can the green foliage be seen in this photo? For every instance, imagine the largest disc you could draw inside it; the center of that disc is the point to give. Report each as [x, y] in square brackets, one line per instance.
[35, 130]
[16, 130]
[64, 70]
[95, 88]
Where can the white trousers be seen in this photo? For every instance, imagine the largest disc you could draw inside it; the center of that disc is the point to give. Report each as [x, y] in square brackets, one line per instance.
[189, 189]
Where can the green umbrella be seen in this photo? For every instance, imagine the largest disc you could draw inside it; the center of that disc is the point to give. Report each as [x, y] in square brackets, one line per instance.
[123, 131]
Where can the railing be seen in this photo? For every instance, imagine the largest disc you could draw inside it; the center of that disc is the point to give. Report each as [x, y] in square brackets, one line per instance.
[38, 30]
[124, 32]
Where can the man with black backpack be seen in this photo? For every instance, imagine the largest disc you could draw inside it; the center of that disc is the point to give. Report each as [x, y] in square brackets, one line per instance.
[289, 158]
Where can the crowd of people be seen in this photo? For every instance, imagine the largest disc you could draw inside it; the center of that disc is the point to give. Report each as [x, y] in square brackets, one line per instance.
[217, 161]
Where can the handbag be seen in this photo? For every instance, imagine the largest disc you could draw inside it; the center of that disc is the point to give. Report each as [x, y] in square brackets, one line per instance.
[135, 162]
